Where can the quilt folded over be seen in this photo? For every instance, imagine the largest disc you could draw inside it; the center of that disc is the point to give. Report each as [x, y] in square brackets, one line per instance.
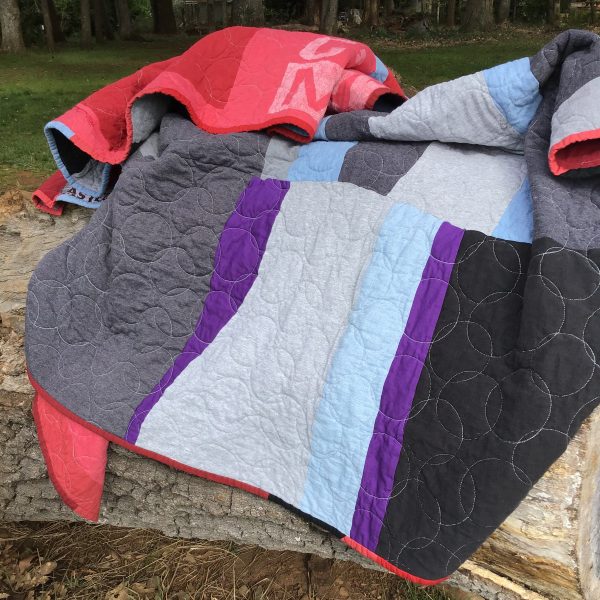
[237, 79]
[392, 329]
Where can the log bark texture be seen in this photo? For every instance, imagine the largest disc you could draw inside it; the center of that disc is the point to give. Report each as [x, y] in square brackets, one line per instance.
[549, 548]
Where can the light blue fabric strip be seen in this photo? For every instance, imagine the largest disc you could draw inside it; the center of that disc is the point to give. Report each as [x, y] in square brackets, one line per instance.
[346, 414]
[319, 161]
[320, 134]
[516, 224]
[515, 91]
[381, 71]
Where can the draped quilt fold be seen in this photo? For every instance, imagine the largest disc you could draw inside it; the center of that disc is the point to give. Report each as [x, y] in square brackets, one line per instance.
[392, 329]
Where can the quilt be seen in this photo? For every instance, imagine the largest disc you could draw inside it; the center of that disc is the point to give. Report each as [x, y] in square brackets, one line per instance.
[391, 329]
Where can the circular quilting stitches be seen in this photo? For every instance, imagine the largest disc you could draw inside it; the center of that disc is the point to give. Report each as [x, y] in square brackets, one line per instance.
[192, 208]
[591, 332]
[538, 325]
[422, 395]
[97, 262]
[446, 363]
[512, 418]
[480, 283]
[383, 449]
[194, 252]
[449, 315]
[418, 561]
[533, 455]
[237, 255]
[500, 318]
[146, 235]
[460, 415]
[128, 297]
[79, 320]
[402, 475]
[441, 441]
[420, 529]
[76, 361]
[446, 490]
[44, 296]
[564, 364]
[572, 274]
[107, 390]
[490, 506]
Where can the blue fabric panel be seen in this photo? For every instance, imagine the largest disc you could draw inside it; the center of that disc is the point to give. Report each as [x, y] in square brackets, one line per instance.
[516, 224]
[515, 91]
[381, 72]
[342, 430]
[319, 161]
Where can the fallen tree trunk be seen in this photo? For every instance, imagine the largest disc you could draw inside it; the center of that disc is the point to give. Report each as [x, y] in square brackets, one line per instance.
[549, 548]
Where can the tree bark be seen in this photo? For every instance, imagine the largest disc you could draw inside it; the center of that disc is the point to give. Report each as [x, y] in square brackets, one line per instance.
[372, 12]
[451, 13]
[48, 25]
[59, 36]
[478, 15]
[99, 20]
[125, 29]
[86, 24]
[552, 13]
[312, 12]
[388, 7]
[502, 11]
[329, 10]
[10, 26]
[163, 17]
[548, 549]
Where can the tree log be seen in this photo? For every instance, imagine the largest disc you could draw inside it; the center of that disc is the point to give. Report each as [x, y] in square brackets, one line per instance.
[549, 548]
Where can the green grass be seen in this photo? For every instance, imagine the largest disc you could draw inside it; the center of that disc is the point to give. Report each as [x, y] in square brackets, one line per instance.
[36, 86]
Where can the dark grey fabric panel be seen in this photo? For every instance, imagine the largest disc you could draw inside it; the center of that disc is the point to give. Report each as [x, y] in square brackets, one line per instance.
[377, 166]
[109, 310]
[565, 209]
[350, 126]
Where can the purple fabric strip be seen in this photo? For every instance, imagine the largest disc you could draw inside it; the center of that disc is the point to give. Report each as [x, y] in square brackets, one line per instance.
[237, 259]
[399, 389]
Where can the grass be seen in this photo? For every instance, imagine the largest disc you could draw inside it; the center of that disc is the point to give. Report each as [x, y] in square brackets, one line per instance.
[37, 86]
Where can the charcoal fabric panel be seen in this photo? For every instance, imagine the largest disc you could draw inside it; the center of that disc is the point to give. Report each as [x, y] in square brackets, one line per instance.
[350, 126]
[469, 187]
[111, 309]
[515, 91]
[262, 377]
[343, 423]
[237, 259]
[516, 224]
[469, 427]
[399, 389]
[378, 166]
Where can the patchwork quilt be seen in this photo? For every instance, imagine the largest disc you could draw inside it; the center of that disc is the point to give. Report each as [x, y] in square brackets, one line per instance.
[392, 329]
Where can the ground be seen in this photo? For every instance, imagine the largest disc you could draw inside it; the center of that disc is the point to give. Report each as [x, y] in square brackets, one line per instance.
[85, 561]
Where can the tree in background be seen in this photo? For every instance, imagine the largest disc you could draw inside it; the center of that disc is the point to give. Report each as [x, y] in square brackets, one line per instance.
[99, 21]
[48, 24]
[10, 26]
[86, 24]
[372, 12]
[478, 15]
[451, 13]
[124, 17]
[329, 10]
[248, 12]
[502, 11]
[163, 16]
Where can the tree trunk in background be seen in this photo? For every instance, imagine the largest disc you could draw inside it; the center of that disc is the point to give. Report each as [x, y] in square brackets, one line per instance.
[10, 25]
[163, 16]
[86, 24]
[48, 28]
[552, 13]
[256, 12]
[372, 12]
[125, 29]
[210, 15]
[451, 13]
[502, 11]
[99, 27]
[59, 36]
[329, 10]
[312, 12]
[388, 7]
[478, 15]
[593, 12]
